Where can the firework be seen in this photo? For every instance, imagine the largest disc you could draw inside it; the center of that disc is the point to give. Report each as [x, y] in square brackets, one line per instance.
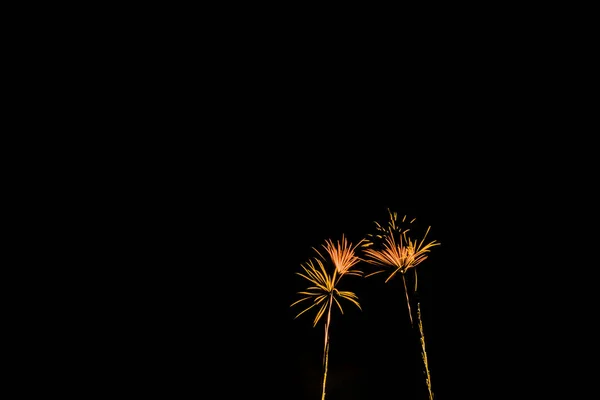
[339, 257]
[395, 249]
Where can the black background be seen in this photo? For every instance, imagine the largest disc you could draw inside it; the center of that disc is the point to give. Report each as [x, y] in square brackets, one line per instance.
[208, 307]
[242, 154]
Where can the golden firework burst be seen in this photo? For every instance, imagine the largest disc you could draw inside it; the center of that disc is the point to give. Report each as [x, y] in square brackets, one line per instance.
[341, 258]
[397, 249]
[394, 248]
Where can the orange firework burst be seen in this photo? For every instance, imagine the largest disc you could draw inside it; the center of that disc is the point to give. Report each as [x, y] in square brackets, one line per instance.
[323, 290]
[393, 248]
[398, 250]
[342, 255]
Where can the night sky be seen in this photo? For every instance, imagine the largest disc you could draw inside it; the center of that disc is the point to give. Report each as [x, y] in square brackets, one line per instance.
[224, 222]
[241, 162]
[218, 313]
[207, 303]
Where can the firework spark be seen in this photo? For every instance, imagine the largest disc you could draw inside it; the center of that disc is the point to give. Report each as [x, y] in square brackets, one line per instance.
[393, 248]
[398, 250]
[323, 288]
[323, 285]
[342, 254]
